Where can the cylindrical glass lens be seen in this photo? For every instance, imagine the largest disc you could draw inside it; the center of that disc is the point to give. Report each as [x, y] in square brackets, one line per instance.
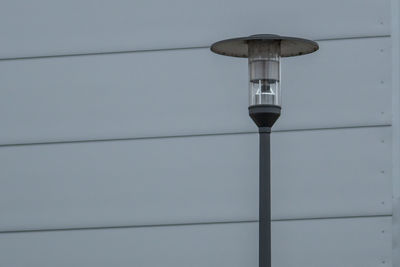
[264, 72]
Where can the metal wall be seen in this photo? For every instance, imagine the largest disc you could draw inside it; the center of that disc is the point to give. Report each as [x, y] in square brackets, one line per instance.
[125, 142]
[395, 5]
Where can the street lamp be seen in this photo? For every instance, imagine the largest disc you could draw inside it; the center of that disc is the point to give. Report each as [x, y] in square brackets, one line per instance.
[264, 52]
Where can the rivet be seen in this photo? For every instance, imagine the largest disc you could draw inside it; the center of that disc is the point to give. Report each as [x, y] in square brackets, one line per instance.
[382, 171]
[382, 82]
[381, 50]
[383, 231]
[383, 202]
[382, 141]
[383, 262]
[382, 112]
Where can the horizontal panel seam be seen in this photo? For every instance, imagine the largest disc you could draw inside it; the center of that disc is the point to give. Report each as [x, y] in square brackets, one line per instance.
[188, 224]
[188, 135]
[164, 49]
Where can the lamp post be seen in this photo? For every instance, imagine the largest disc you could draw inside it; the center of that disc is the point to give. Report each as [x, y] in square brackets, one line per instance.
[264, 52]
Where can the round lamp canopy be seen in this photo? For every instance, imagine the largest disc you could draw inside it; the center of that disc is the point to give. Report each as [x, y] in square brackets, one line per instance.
[289, 46]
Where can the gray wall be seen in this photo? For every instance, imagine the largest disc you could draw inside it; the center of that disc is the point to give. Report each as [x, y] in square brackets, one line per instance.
[396, 129]
[125, 142]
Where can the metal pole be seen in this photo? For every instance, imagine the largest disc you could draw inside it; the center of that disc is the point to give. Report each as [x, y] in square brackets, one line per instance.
[265, 116]
[265, 199]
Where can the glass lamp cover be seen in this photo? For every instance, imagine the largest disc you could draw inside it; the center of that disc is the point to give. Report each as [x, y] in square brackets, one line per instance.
[264, 72]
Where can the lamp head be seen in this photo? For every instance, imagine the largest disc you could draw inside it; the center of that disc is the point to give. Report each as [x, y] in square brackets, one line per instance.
[264, 52]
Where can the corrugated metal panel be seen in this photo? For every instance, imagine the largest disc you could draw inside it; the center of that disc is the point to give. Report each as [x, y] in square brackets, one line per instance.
[324, 173]
[329, 243]
[347, 83]
[49, 27]
[396, 130]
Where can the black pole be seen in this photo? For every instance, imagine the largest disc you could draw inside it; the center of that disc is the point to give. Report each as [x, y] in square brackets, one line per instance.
[265, 199]
[265, 116]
